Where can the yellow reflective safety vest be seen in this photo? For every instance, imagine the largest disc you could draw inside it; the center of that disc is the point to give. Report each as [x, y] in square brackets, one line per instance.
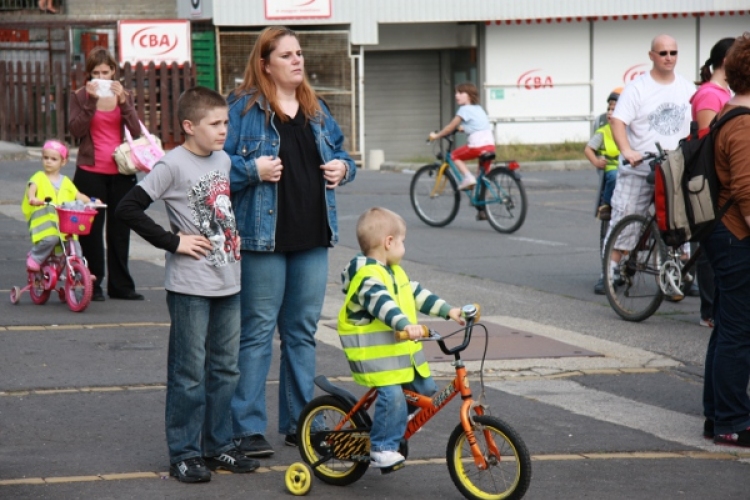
[608, 149]
[375, 357]
[43, 220]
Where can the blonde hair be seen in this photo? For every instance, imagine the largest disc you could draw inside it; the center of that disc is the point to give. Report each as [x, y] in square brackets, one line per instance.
[376, 224]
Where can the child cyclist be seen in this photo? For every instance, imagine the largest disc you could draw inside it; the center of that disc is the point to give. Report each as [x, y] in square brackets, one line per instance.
[202, 283]
[603, 153]
[42, 218]
[380, 299]
[474, 122]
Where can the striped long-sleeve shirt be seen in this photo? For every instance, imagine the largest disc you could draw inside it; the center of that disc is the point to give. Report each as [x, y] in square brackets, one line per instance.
[372, 300]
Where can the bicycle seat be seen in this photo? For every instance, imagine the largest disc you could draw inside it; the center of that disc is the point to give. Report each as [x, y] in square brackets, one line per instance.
[485, 157]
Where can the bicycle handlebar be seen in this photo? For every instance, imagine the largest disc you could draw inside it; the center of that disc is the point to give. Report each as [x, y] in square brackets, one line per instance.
[470, 312]
[48, 201]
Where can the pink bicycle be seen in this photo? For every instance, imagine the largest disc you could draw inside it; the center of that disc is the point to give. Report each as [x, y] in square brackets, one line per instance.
[64, 272]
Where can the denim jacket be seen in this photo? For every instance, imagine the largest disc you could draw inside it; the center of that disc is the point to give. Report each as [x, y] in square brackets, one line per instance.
[254, 201]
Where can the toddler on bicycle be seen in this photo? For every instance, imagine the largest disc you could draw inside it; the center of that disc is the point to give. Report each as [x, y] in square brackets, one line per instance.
[380, 299]
[475, 123]
[42, 218]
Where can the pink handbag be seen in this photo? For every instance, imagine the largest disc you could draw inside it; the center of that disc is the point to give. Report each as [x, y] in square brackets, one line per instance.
[139, 155]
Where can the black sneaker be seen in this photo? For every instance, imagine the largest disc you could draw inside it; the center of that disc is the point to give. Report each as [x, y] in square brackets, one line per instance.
[708, 429]
[190, 470]
[233, 461]
[741, 438]
[254, 446]
[290, 440]
[599, 287]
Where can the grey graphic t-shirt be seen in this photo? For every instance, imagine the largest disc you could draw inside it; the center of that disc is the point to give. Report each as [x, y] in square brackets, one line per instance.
[195, 190]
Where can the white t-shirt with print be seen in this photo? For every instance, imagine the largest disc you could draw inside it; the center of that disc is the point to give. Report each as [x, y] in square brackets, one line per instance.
[654, 112]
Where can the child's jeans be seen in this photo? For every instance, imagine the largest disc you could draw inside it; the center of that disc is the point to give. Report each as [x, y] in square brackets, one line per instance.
[202, 374]
[610, 179]
[389, 420]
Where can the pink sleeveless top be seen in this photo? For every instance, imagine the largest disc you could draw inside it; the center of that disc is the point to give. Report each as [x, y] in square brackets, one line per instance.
[106, 134]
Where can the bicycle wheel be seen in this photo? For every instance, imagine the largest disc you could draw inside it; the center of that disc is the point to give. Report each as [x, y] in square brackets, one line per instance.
[320, 414]
[509, 471]
[39, 294]
[504, 200]
[632, 287]
[78, 286]
[434, 196]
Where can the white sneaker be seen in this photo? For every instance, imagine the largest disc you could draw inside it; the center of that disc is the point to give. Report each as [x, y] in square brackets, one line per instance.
[383, 459]
[467, 182]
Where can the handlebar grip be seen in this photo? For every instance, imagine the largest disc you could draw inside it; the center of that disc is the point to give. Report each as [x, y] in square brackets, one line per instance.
[402, 335]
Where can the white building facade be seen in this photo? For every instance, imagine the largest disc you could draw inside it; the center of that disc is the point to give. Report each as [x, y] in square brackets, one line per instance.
[544, 68]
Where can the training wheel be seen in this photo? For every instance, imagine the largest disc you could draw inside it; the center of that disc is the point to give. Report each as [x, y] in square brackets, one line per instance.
[298, 479]
[15, 294]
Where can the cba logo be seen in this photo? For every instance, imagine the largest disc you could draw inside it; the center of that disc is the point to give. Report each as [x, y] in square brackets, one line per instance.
[530, 80]
[154, 41]
[633, 72]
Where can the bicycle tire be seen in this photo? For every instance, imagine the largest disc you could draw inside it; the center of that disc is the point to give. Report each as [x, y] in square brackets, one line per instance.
[635, 294]
[78, 286]
[504, 201]
[328, 411]
[435, 201]
[38, 293]
[507, 477]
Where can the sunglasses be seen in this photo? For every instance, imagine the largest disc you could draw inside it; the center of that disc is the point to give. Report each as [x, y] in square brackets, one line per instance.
[663, 53]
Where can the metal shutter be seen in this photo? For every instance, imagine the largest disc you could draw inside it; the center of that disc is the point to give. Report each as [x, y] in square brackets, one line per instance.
[402, 102]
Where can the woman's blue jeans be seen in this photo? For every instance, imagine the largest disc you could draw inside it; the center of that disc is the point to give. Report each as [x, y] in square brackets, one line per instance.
[202, 373]
[284, 290]
[725, 398]
[389, 419]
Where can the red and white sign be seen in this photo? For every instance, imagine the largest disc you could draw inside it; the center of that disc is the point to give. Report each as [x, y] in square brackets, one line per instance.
[157, 41]
[298, 9]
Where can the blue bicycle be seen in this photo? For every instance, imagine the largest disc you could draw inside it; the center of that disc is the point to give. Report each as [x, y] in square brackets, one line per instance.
[498, 194]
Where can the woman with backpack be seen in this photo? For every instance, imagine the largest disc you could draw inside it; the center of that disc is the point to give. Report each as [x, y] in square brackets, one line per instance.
[726, 403]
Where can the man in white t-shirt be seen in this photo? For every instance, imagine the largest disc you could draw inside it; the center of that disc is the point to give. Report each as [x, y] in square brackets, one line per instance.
[655, 107]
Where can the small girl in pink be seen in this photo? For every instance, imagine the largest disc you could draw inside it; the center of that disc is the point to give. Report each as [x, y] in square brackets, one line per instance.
[713, 92]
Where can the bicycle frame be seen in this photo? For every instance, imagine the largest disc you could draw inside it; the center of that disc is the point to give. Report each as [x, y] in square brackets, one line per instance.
[431, 405]
[473, 194]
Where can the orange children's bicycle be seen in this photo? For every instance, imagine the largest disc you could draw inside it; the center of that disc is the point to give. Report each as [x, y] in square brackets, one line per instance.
[486, 458]
[66, 272]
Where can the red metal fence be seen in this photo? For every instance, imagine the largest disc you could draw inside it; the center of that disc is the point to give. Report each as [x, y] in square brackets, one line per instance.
[34, 99]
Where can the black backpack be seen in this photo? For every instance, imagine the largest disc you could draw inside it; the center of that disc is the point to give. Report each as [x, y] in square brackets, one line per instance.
[686, 187]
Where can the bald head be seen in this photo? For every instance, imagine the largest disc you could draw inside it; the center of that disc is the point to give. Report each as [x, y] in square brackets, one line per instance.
[661, 40]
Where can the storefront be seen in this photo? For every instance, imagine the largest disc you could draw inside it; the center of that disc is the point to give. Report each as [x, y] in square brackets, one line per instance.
[544, 68]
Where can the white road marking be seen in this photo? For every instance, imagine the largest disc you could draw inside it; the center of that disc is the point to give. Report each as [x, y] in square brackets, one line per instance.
[538, 242]
[575, 398]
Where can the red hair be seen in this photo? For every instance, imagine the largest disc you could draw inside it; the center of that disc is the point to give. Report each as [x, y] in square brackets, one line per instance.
[256, 82]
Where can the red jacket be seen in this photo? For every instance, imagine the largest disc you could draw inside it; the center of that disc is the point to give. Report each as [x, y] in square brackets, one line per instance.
[82, 109]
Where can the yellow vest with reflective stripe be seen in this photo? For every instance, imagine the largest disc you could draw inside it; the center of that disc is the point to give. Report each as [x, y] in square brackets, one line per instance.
[609, 148]
[43, 220]
[375, 357]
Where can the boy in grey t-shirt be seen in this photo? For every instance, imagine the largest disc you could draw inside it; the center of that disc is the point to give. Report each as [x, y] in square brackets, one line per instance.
[202, 283]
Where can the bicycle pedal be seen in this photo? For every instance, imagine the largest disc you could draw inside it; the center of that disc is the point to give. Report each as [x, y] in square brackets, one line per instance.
[388, 470]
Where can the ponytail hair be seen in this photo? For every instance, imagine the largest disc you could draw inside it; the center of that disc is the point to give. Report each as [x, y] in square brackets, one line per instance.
[716, 59]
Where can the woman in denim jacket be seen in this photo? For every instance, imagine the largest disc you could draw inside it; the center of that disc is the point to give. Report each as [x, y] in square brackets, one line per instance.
[287, 158]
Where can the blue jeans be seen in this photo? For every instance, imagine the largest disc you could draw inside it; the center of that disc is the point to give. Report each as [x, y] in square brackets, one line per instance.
[204, 341]
[284, 290]
[610, 179]
[389, 419]
[725, 398]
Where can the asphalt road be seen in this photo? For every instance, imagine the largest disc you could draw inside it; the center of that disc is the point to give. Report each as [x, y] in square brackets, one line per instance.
[82, 395]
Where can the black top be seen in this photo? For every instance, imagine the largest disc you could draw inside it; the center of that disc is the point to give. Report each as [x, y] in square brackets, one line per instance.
[301, 221]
